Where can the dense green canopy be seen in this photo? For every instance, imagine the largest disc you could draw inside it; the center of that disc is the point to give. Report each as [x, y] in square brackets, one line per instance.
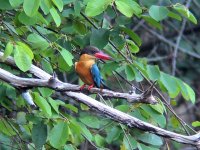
[151, 41]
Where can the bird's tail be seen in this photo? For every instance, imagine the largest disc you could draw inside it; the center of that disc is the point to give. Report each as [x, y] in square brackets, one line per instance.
[105, 86]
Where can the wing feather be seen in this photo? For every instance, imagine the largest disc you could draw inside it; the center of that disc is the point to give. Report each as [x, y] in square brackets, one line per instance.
[96, 75]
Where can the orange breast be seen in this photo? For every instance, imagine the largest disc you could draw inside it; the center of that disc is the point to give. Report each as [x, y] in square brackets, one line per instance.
[84, 72]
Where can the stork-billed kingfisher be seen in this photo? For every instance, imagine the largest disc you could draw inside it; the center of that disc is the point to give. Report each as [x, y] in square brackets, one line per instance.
[87, 68]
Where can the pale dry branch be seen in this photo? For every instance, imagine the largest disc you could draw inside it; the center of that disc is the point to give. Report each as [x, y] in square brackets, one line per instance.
[27, 83]
[108, 111]
[50, 82]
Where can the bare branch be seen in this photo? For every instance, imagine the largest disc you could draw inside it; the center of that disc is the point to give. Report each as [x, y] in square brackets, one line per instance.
[53, 83]
[132, 121]
[113, 113]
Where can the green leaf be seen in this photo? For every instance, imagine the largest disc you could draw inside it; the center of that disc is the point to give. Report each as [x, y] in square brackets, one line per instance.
[154, 114]
[67, 12]
[169, 83]
[191, 93]
[8, 50]
[106, 67]
[42, 103]
[196, 124]
[192, 18]
[37, 41]
[77, 7]
[59, 135]
[21, 118]
[99, 140]
[80, 27]
[45, 5]
[96, 7]
[99, 38]
[183, 10]
[152, 22]
[128, 7]
[6, 128]
[39, 135]
[6, 142]
[84, 107]
[58, 4]
[133, 35]
[123, 108]
[90, 121]
[10, 27]
[123, 20]
[71, 107]
[67, 56]
[31, 7]
[11, 92]
[46, 92]
[26, 48]
[153, 72]
[69, 147]
[113, 134]
[149, 3]
[22, 59]
[175, 122]
[5, 5]
[46, 66]
[55, 104]
[24, 19]
[132, 46]
[186, 91]
[129, 142]
[130, 75]
[144, 147]
[150, 138]
[158, 108]
[56, 16]
[174, 15]
[63, 66]
[138, 76]
[158, 12]
[86, 132]
[75, 132]
[15, 3]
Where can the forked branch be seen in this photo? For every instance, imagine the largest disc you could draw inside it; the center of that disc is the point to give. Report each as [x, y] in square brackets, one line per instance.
[112, 113]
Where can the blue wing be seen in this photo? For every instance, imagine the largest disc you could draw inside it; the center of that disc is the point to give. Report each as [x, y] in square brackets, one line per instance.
[96, 75]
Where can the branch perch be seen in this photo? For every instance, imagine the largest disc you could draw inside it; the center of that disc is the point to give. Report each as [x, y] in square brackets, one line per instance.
[26, 83]
[102, 108]
[53, 83]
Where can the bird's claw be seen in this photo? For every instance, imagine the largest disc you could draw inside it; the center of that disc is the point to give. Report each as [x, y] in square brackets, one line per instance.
[91, 86]
[82, 87]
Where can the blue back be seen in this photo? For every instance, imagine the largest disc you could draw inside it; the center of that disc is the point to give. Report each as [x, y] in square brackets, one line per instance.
[96, 75]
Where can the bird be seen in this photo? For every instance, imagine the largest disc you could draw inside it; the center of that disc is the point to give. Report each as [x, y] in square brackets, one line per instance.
[87, 69]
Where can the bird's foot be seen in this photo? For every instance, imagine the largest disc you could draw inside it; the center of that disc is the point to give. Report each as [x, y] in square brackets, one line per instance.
[82, 87]
[91, 86]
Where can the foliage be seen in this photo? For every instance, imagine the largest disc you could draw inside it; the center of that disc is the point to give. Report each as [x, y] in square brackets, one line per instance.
[50, 33]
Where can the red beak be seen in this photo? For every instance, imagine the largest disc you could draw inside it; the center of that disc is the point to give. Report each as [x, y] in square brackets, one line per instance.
[102, 55]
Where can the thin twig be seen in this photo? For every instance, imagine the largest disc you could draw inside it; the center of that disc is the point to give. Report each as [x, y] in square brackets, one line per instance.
[178, 42]
[162, 38]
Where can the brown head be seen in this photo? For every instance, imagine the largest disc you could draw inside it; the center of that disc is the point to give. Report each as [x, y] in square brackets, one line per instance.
[94, 52]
